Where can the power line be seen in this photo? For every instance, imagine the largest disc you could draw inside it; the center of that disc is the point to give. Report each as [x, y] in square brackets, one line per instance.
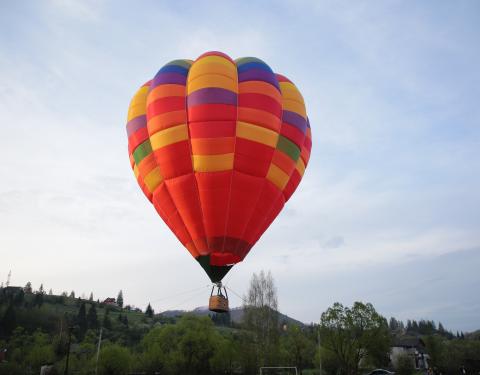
[188, 299]
[238, 295]
[179, 294]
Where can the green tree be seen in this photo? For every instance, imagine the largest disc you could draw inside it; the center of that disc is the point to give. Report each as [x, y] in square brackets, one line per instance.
[149, 311]
[393, 324]
[225, 356]
[28, 288]
[404, 365]
[187, 347]
[298, 349]
[82, 320]
[354, 334]
[107, 323]
[19, 298]
[38, 300]
[9, 320]
[92, 319]
[120, 299]
[436, 349]
[114, 360]
[41, 352]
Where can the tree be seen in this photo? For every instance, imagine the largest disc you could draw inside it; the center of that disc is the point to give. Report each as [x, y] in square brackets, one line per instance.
[120, 299]
[354, 334]
[92, 319]
[404, 365]
[114, 360]
[41, 290]
[409, 325]
[28, 288]
[436, 349]
[107, 323]
[72, 294]
[38, 300]
[149, 311]
[9, 320]
[393, 325]
[50, 292]
[297, 348]
[82, 320]
[42, 350]
[414, 326]
[190, 347]
[91, 297]
[19, 298]
[261, 316]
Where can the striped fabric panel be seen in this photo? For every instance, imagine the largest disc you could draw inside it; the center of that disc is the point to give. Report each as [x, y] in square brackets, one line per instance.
[292, 134]
[167, 119]
[259, 116]
[301, 165]
[212, 109]
[283, 172]
[146, 172]
[212, 100]
[166, 114]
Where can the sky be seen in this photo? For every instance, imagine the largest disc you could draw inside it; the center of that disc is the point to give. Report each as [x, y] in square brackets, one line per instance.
[388, 211]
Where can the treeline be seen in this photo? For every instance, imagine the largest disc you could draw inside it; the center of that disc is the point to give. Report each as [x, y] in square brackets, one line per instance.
[37, 329]
[422, 327]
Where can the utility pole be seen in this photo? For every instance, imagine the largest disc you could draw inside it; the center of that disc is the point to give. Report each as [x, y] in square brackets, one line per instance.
[98, 349]
[319, 352]
[8, 278]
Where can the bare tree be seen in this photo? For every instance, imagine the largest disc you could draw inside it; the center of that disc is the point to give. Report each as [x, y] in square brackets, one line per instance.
[261, 316]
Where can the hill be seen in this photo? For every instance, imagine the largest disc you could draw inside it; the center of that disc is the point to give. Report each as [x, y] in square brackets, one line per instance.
[236, 315]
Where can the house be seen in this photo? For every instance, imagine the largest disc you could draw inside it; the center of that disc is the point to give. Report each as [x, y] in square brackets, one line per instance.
[412, 346]
[110, 301]
[12, 290]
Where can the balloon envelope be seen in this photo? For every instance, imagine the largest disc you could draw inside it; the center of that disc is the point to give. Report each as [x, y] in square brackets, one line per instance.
[218, 146]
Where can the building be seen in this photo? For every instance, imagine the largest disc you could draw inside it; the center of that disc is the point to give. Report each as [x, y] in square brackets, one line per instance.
[110, 301]
[412, 346]
[12, 290]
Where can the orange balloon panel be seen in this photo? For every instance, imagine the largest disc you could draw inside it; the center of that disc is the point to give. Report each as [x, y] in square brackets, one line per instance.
[218, 146]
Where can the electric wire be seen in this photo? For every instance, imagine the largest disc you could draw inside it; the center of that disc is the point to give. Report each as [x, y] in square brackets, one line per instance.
[179, 294]
[188, 299]
[238, 295]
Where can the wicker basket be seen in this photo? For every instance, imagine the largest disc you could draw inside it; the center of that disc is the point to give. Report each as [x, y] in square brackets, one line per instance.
[218, 304]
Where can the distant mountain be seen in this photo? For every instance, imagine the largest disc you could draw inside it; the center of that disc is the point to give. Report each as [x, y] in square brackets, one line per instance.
[236, 314]
[475, 335]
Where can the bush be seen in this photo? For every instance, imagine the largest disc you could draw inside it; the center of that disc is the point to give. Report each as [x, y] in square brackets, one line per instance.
[404, 365]
[114, 360]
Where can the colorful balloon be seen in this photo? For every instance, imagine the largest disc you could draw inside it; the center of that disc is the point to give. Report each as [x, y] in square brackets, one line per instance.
[218, 146]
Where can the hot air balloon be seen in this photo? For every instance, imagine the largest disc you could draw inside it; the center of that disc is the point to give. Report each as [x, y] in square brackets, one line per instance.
[218, 146]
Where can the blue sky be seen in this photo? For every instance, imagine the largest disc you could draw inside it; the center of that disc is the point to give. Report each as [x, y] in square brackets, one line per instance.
[388, 211]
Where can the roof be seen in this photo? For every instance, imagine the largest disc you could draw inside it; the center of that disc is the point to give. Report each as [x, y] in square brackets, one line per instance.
[408, 342]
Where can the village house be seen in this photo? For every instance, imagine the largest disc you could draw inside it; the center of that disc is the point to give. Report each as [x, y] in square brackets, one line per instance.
[412, 346]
